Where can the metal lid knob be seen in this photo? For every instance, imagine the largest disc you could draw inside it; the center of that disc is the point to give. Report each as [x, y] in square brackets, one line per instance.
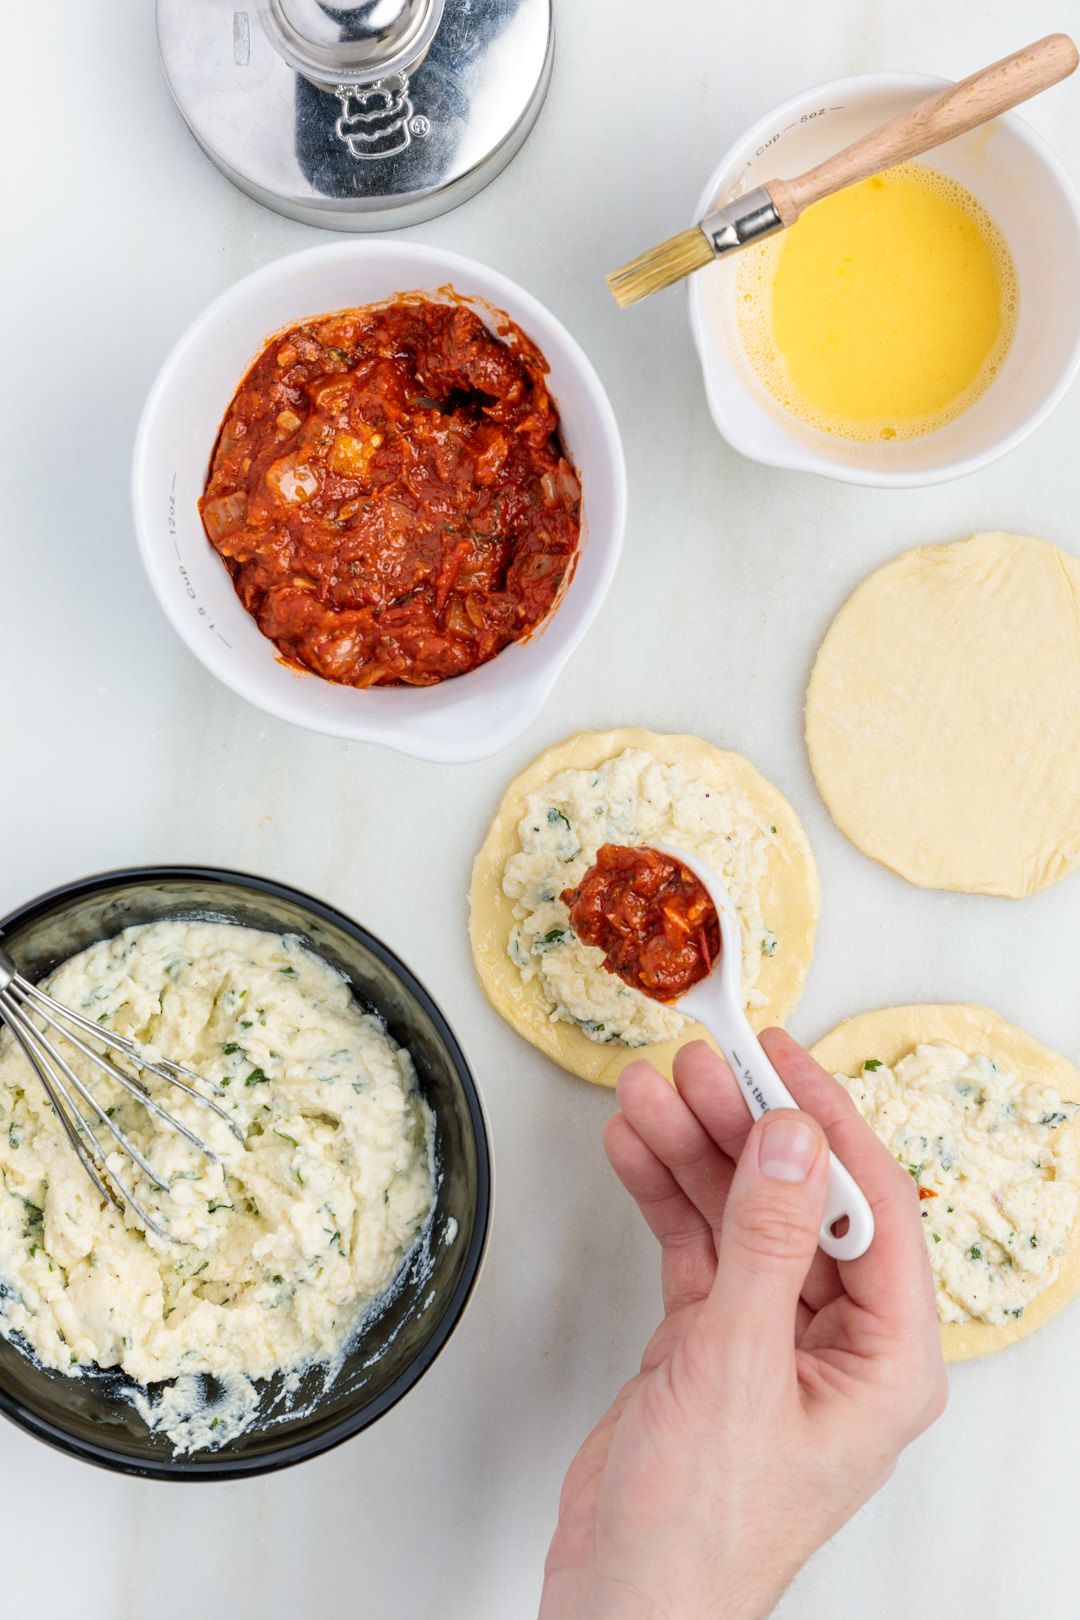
[354, 44]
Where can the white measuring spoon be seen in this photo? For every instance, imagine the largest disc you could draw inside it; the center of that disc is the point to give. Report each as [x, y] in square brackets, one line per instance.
[716, 1002]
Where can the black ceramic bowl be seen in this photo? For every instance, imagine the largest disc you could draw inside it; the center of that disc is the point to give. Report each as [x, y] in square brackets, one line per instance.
[88, 1416]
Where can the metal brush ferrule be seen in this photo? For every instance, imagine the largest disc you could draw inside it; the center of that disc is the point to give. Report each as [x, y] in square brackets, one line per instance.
[748, 219]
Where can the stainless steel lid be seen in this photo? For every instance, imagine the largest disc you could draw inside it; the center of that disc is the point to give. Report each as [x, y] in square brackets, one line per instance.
[359, 117]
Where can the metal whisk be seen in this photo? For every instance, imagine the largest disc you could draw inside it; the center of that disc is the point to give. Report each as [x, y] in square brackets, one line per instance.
[18, 1000]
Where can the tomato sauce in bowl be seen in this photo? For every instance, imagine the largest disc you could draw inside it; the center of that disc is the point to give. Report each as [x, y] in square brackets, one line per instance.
[650, 915]
[390, 493]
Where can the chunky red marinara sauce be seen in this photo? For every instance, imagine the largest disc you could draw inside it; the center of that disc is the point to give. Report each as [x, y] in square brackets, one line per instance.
[390, 495]
[650, 915]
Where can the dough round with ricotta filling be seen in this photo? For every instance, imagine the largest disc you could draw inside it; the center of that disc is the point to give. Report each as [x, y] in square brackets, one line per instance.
[987, 1122]
[943, 715]
[632, 786]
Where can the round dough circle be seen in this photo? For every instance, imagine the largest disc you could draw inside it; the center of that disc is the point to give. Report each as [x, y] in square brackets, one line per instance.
[943, 715]
[790, 899]
[890, 1034]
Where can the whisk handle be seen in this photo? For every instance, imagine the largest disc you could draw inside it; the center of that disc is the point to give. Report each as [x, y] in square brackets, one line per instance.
[940, 118]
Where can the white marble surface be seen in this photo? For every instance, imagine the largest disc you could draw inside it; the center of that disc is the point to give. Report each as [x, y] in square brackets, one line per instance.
[119, 749]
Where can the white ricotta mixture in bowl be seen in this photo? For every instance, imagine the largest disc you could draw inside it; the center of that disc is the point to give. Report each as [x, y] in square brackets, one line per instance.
[288, 1240]
[996, 1178]
[630, 799]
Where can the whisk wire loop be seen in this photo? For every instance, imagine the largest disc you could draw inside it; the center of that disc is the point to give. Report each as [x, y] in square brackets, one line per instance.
[165, 1069]
[42, 1056]
[134, 1089]
[52, 1056]
[20, 1004]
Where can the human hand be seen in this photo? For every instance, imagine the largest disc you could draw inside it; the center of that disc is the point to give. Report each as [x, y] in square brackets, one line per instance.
[781, 1386]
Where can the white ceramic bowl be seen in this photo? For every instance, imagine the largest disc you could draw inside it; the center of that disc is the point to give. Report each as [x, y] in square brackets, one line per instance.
[462, 719]
[1022, 185]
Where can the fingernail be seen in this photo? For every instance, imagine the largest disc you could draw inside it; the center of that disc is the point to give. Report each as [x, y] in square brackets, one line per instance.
[788, 1150]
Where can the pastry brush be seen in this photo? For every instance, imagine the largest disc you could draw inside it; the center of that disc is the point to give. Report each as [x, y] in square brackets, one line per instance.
[778, 203]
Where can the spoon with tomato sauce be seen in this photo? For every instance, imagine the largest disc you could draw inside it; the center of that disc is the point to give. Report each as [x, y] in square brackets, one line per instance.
[668, 928]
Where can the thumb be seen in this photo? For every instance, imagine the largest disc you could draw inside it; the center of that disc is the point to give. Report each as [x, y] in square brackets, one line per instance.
[769, 1234]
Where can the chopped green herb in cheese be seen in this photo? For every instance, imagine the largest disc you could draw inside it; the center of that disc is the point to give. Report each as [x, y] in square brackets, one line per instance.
[968, 1130]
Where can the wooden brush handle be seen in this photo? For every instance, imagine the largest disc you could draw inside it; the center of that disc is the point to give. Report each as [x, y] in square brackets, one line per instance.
[951, 112]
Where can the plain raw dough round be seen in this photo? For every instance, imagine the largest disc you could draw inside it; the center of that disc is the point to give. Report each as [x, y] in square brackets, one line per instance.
[790, 899]
[943, 715]
[889, 1035]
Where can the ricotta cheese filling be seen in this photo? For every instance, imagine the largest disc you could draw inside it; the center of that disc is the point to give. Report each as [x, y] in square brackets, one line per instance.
[630, 799]
[997, 1178]
[287, 1240]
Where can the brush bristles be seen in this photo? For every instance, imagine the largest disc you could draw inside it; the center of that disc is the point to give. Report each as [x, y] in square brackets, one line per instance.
[661, 266]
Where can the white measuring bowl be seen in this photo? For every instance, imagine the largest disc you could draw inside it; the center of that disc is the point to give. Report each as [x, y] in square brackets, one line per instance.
[466, 718]
[1021, 184]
